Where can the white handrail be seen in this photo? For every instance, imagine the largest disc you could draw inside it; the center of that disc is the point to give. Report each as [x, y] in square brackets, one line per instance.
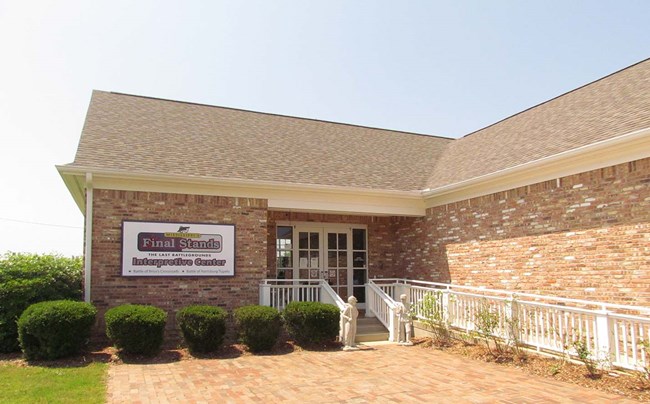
[280, 292]
[334, 298]
[449, 286]
[292, 281]
[382, 306]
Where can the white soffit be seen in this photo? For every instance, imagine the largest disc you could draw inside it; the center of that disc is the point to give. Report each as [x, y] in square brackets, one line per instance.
[280, 196]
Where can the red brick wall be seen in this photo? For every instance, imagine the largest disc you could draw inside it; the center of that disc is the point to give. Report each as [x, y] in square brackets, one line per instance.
[110, 288]
[587, 238]
[382, 245]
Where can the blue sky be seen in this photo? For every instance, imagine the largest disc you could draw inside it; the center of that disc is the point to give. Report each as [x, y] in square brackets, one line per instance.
[436, 67]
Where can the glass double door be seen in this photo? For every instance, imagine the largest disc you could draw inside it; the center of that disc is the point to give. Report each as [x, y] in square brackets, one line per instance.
[335, 254]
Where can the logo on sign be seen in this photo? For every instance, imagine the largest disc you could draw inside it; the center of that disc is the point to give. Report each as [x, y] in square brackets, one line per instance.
[180, 241]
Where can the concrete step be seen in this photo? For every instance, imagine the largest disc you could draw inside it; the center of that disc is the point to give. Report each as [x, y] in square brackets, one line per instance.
[369, 329]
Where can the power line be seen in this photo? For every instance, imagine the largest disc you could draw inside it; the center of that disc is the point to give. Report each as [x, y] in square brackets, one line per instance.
[40, 224]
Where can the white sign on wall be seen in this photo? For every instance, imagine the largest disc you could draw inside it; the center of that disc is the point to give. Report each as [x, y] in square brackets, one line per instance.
[177, 249]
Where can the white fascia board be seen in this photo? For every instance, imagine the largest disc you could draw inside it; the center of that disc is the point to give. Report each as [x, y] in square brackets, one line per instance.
[76, 184]
[280, 196]
[606, 153]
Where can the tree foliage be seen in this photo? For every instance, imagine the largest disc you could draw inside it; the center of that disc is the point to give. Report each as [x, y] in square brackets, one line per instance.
[26, 279]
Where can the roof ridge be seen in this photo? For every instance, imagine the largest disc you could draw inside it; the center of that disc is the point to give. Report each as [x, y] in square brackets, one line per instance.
[279, 115]
[556, 97]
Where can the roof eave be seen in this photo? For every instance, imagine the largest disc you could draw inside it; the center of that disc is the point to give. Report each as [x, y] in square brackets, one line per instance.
[79, 170]
[76, 184]
[628, 147]
[624, 148]
[280, 195]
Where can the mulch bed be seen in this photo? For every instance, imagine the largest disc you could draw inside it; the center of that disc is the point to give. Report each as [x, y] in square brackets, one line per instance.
[112, 355]
[629, 384]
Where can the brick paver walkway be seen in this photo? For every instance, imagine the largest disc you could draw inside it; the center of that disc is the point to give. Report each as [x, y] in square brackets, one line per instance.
[377, 373]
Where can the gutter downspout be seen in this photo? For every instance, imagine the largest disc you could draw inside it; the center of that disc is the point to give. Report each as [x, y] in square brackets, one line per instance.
[89, 236]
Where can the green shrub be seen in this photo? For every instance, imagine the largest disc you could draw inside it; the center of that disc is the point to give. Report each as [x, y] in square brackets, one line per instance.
[311, 322]
[585, 356]
[258, 326]
[50, 330]
[26, 279]
[487, 320]
[202, 327]
[136, 329]
[433, 316]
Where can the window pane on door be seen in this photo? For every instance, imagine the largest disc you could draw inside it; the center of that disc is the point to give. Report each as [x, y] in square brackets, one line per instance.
[284, 252]
[304, 273]
[313, 241]
[359, 277]
[313, 259]
[343, 241]
[343, 259]
[331, 241]
[359, 259]
[285, 233]
[360, 294]
[303, 240]
[303, 259]
[341, 282]
[284, 262]
[331, 259]
[359, 239]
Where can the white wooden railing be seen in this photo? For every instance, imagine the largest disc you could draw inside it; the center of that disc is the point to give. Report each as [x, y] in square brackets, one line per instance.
[379, 304]
[280, 292]
[615, 334]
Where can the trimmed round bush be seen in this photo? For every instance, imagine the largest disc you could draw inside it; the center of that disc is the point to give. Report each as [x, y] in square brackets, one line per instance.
[258, 326]
[312, 322]
[55, 329]
[136, 329]
[202, 327]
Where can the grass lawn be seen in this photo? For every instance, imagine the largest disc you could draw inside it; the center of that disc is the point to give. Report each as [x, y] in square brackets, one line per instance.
[36, 384]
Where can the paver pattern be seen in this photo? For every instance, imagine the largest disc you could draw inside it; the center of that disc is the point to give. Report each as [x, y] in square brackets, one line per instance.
[374, 374]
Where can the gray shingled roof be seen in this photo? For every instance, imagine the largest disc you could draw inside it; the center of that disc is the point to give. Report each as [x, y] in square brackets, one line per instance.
[147, 135]
[154, 136]
[610, 107]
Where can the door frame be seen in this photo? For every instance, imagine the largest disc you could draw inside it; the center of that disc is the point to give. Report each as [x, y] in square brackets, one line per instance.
[323, 228]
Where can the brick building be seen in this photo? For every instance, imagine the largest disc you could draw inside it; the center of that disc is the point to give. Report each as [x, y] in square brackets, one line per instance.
[553, 200]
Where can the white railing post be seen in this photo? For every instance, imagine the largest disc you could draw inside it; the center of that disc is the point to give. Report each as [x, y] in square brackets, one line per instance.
[392, 335]
[604, 333]
[398, 290]
[445, 306]
[370, 302]
[401, 289]
[512, 323]
[265, 294]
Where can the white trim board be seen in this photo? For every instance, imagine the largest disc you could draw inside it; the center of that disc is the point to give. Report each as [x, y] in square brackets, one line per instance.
[331, 200]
